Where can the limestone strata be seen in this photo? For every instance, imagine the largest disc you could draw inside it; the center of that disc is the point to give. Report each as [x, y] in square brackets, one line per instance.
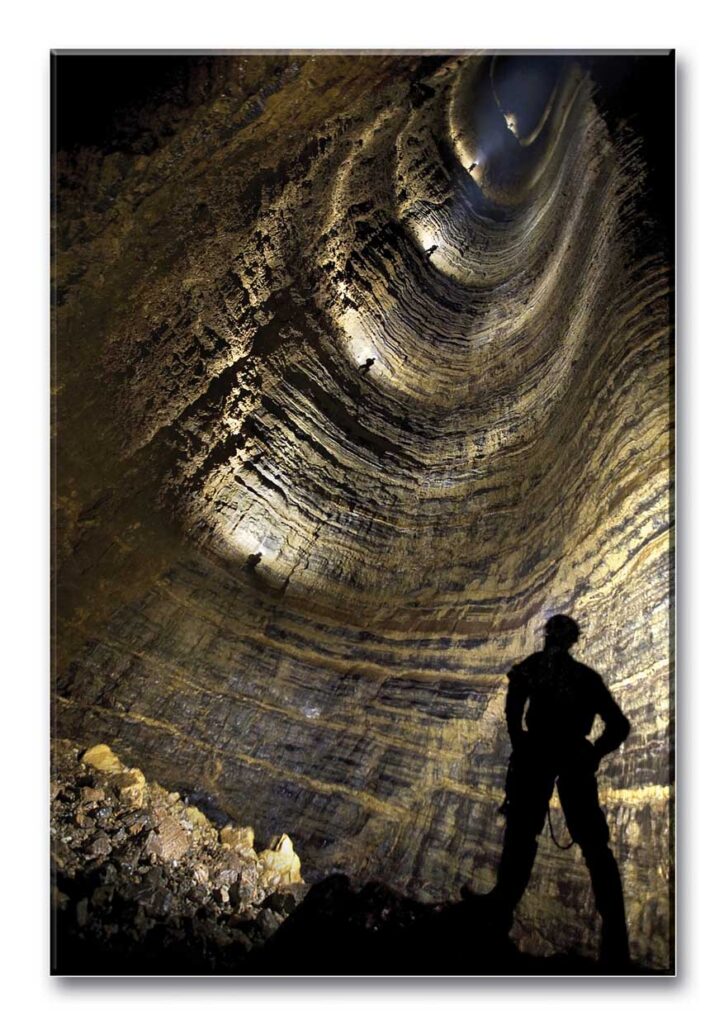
[361, 372]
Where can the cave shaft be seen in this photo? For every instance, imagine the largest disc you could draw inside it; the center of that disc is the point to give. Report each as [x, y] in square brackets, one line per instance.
[362, 369]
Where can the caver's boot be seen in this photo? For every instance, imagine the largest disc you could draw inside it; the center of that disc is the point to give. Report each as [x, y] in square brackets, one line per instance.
[608, 893]
[514, 871]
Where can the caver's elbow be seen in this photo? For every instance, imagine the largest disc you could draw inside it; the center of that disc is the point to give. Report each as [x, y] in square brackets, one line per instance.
[625, 728]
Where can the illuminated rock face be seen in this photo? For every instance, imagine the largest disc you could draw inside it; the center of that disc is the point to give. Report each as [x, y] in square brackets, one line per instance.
[362, 371]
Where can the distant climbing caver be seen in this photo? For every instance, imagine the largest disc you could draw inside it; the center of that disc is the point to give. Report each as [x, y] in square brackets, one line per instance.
[563, 698]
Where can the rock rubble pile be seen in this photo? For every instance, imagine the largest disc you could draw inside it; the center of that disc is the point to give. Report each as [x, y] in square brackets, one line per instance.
[144, 882]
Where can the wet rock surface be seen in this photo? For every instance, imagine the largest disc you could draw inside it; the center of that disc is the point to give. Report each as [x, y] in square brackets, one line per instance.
[143, 882]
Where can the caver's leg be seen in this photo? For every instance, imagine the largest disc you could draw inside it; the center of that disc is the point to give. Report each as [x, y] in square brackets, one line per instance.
[587, 824]
[530, 789]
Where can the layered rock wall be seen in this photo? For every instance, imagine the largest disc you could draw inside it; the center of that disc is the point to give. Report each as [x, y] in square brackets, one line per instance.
[362, 370]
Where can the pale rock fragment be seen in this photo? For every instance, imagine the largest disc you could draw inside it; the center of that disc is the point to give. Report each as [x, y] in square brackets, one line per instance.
[130, 786]
[102, 758]
[239, 838]
[169, 841]
[280, 860]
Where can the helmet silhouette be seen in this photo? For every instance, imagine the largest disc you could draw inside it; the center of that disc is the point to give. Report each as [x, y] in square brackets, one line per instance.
[562, 630]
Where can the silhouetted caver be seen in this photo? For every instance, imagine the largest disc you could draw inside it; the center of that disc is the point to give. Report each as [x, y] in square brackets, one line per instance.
[563, 698]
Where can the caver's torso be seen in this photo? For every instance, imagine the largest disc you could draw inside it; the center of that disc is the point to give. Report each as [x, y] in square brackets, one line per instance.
[563, 696]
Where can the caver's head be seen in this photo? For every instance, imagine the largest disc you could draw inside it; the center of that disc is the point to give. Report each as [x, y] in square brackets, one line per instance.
[561, 631]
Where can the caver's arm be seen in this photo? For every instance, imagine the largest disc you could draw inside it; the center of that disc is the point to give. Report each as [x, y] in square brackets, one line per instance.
[515, 703]
[617, 726]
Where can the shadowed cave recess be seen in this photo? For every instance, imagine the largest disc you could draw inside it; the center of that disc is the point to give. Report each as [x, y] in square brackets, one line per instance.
[362, 369]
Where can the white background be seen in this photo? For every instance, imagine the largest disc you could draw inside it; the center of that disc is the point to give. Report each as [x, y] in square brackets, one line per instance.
[28, 32]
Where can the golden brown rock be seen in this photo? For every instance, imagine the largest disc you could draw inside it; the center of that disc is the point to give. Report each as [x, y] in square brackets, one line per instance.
[130, 786]
[147, 888]
[197, 817]
[102, 758]
[238, 838]
[358, 379]
[280, 864]
[91, 795]
[169, 841]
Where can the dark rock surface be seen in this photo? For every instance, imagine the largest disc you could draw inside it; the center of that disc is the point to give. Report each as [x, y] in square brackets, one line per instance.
[340, 929]
[363, 368]
[144, 883]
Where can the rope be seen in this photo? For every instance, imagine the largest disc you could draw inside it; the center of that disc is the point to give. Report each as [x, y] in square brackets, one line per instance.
[553, 835]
